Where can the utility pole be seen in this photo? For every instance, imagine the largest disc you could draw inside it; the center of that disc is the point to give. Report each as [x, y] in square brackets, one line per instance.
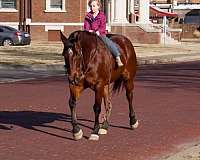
[172, 10]
[24, 16]
[20, 15]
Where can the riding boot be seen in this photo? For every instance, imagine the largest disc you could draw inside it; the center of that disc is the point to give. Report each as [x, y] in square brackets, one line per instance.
[119, 62]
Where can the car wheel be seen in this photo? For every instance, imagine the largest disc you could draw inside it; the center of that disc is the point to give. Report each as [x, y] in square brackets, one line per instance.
[7, 42]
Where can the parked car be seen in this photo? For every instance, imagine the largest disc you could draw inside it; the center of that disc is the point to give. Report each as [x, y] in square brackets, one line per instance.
[11, 36]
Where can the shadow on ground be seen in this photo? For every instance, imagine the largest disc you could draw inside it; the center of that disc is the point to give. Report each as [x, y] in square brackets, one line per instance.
[32, 120]
[42, 121]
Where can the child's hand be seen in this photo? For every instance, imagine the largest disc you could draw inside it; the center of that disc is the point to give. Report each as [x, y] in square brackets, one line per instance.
[91, 31]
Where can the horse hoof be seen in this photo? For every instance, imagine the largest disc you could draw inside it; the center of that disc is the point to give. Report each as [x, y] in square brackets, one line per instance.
[78, 135]
[94, 137]
[102, 131]
[134, 126]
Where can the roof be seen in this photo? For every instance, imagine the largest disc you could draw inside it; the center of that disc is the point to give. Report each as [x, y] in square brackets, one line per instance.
[157, 12]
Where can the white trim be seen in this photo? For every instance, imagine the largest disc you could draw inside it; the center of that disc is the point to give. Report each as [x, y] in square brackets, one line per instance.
[8, 10]
[9, 23]
[88, 8]
[57, 24]
[28, 21]
[187, 6]
[112, 11]
[43, 24]
[54, 10]
[54, 27]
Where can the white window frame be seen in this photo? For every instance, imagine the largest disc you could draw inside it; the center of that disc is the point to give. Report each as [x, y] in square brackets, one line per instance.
[7, 9]
[49, 9]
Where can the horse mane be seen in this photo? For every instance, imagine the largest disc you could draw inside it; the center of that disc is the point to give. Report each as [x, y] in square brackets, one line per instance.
[74, 36]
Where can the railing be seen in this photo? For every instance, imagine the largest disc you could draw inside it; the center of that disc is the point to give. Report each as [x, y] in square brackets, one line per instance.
[187, 6]
[188, 3]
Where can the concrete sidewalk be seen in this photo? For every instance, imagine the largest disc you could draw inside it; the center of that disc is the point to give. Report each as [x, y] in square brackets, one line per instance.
[48, 56]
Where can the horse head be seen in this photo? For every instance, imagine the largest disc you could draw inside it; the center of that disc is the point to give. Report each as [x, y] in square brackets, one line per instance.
[72, 53]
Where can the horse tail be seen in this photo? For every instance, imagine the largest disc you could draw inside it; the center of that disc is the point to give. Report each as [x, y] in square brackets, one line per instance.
[118, 85]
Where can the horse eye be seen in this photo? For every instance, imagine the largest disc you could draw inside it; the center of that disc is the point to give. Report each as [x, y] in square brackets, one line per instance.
[70, 51]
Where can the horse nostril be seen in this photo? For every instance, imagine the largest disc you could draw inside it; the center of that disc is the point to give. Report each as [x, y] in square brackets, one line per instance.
[70, 79]
[76, 80]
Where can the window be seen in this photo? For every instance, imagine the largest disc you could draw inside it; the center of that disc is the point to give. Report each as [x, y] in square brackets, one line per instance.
[55, 6]
[7, 4]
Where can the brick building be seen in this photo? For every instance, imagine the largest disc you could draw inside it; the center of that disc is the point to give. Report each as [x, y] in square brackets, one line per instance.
[45, 18]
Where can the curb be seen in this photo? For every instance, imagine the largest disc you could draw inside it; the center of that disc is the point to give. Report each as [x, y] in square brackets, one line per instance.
[168, 59]
[56, 67]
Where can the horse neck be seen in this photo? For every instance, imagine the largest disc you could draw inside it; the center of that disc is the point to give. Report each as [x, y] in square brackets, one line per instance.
[89, 48]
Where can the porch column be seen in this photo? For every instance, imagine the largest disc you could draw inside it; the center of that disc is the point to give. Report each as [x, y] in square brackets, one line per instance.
[109, 12]
[132, 5]
[144, 11]
[120, 11]
[132, 11]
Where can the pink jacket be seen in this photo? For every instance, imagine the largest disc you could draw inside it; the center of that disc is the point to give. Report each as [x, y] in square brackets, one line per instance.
[96, 24]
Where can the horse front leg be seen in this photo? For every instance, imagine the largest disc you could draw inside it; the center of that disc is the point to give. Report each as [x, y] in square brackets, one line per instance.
[97, 110]
[106, 115]
[74, 95]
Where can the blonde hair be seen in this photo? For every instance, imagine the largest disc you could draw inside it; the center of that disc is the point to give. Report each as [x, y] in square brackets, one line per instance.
[98, 3]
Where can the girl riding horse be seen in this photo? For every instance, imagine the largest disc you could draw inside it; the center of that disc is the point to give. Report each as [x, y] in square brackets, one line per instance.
[95, 21]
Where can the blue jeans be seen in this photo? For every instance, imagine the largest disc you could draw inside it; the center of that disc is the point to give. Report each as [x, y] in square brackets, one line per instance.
[111, 46]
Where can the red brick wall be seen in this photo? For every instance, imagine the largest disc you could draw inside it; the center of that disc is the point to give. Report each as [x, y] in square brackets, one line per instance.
[70, 29]
[134, 33]
[10, 16]
[38, 33]
[75, 11]
[137, 35]
[13, 17]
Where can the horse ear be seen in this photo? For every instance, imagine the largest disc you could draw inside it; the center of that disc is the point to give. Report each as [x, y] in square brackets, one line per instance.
[63, 38]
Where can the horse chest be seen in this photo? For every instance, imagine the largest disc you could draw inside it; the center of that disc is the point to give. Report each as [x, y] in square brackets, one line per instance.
[90, 81]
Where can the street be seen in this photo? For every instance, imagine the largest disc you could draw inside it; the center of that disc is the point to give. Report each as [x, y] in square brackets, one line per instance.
[35, 118]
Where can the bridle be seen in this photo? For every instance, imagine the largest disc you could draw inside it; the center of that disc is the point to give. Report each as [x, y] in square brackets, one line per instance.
[84, 67]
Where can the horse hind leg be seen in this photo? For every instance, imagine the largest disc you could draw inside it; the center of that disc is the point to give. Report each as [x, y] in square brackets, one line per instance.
[129, 95]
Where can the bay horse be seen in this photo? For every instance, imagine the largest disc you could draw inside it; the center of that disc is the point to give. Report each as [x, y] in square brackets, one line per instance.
[90, 64]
